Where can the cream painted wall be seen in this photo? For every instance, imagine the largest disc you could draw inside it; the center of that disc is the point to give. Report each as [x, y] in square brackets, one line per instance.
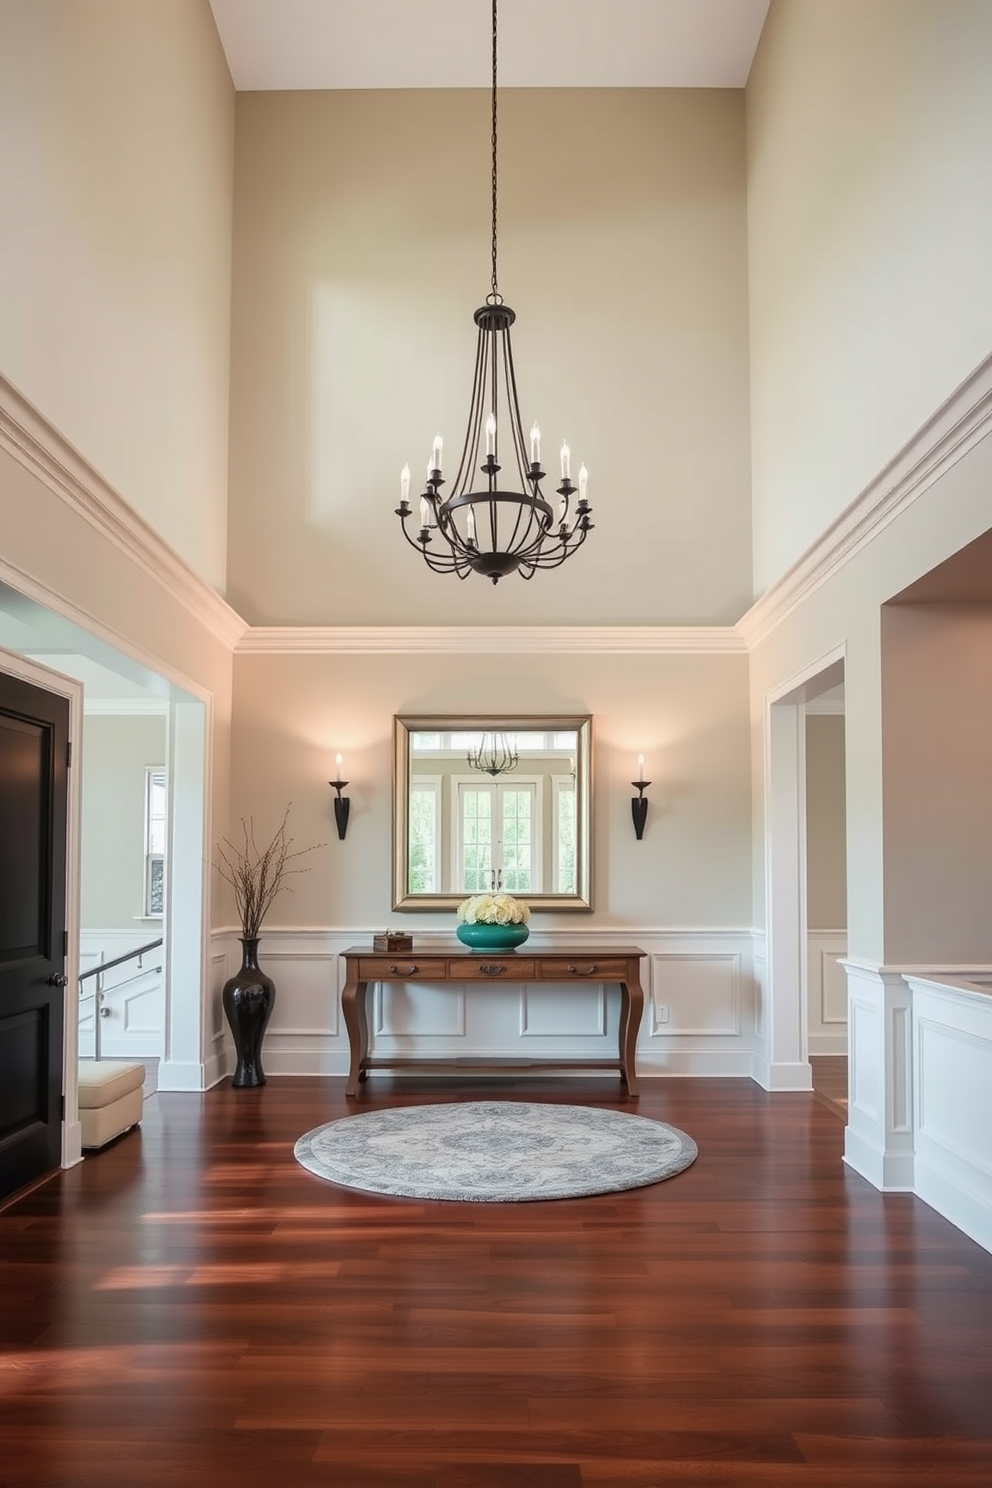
[936, 725]
[361, 253]
[59, 553]
[116, 182]
[116, 752]
[846, 611]
[687, 714]
[869, 134]
[826, 835]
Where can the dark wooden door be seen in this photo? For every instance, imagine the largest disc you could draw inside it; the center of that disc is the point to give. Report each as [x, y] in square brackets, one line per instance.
[34, 743]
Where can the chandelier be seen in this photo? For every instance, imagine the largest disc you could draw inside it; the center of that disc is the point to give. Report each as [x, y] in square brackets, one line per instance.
[495, 527]
[493, 755]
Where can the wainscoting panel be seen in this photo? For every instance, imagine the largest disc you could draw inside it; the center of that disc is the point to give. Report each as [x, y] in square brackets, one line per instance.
[952, 1041]
[563, 1012]
[405, 1009]
[220, 970]
[866, 1083]
[696, 995]
[759, 971]
[827, 989]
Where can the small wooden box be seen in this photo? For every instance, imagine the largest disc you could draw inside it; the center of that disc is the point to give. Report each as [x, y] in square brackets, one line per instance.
[392, 940]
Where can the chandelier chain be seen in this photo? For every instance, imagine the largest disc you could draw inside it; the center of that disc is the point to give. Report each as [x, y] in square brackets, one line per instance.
[495, 297]
[505, 523]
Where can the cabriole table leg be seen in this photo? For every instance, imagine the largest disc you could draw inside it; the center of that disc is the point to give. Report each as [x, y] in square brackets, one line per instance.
[631, 1011]
[357, 1024]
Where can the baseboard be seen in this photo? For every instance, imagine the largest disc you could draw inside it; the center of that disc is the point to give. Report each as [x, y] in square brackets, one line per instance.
[891, 1172]
[780, 1077]
[177, 1075]
[833, 1044]
[968, 1210]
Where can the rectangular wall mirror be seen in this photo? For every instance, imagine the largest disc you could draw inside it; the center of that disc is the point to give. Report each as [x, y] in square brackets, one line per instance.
[482, 804]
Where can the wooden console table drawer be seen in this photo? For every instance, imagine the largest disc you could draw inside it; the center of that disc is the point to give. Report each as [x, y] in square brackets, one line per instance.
[619, 964]
[491, 968]
[403, 967]
[583, 968]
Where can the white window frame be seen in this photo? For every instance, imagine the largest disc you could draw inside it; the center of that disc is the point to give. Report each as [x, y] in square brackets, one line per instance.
[561, 785]
[153, 775]
[429, 785]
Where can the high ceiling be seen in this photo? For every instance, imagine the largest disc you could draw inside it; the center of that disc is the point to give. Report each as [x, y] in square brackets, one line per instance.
[446, 43]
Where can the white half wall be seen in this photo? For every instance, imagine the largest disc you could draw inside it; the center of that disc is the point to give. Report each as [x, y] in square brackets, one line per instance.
[952, 1106]
[920, 1113]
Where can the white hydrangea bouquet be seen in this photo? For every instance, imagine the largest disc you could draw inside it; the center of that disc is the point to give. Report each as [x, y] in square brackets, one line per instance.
[493, 909]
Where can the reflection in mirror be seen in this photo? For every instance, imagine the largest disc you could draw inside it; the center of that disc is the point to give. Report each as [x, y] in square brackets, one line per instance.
[488, 804]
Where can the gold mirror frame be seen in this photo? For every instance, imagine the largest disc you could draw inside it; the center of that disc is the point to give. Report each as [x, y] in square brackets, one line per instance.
[407, 724]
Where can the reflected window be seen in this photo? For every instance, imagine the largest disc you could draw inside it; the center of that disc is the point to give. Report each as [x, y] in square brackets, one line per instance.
[155, 838]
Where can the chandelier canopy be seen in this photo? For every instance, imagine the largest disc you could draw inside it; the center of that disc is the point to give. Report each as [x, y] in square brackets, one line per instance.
[496, 526]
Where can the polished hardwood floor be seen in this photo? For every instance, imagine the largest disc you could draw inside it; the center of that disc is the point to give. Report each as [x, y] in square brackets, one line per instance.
[191, 1308]
[830, 1081]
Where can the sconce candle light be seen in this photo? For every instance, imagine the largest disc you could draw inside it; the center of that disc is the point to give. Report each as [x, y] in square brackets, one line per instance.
[638, 803]
[342, 805]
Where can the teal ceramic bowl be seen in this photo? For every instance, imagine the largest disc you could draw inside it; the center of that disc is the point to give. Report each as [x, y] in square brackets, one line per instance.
[492, 937]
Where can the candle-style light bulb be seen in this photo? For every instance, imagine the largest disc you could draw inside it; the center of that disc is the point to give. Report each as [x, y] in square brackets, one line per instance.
[405, 483]
[436, 452]
[583, 482]
[470, 524]
[491, 434]
[566, 461]
[425, 512]
[640, 767]
[535, 444]
[339, 763]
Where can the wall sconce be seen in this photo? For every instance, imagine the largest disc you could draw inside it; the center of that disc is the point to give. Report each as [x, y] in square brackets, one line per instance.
[638, 804]
[342, 805]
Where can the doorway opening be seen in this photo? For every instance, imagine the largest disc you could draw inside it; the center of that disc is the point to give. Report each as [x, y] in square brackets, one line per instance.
[132, 879]
[798, 1012]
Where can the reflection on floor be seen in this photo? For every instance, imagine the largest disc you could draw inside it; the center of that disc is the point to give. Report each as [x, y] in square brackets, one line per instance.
[830, 1081]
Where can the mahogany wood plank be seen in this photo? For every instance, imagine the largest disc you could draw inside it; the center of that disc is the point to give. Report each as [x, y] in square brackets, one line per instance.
[191, 1308]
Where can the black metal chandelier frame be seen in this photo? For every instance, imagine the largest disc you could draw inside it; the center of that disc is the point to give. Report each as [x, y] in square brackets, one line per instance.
[494, 755]
[505, 526]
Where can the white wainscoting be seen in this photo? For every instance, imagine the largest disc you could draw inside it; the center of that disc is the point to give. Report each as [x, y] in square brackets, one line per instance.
[698, 1015]
[133, 997]
[952, 1104]
[920, 1116]
[826, 986]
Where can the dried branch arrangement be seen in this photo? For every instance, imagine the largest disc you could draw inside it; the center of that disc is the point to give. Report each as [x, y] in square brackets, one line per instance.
[257, 874]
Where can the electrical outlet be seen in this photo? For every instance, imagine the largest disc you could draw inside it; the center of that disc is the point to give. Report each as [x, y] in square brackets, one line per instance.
[661, 1012]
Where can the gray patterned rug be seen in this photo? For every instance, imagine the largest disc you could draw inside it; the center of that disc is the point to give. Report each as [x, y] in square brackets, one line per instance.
[492, 1152]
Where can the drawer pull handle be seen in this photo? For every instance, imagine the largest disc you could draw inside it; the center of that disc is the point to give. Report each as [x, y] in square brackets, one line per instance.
[491, 968]
[584, 970]
[409, 971]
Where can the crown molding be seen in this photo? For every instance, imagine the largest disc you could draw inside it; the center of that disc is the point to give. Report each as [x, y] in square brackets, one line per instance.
[37, 445]
[957, 426]
[506, 640]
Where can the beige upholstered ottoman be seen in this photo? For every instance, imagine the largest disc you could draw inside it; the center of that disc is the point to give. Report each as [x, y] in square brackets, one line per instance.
[110, 1099]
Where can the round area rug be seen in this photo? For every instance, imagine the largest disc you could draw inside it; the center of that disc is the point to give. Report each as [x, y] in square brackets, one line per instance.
[492, 1152]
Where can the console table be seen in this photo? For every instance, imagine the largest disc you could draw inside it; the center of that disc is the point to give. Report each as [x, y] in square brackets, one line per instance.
[619, 964]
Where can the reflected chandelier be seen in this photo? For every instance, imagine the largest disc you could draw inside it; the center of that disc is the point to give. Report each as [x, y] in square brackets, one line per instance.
[493, 528]
[493, 755]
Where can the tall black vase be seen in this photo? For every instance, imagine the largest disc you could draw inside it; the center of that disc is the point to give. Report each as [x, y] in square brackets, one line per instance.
[248, 1000]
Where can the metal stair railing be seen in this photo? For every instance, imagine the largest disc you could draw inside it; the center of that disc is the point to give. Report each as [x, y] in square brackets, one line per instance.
[99, 1009]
